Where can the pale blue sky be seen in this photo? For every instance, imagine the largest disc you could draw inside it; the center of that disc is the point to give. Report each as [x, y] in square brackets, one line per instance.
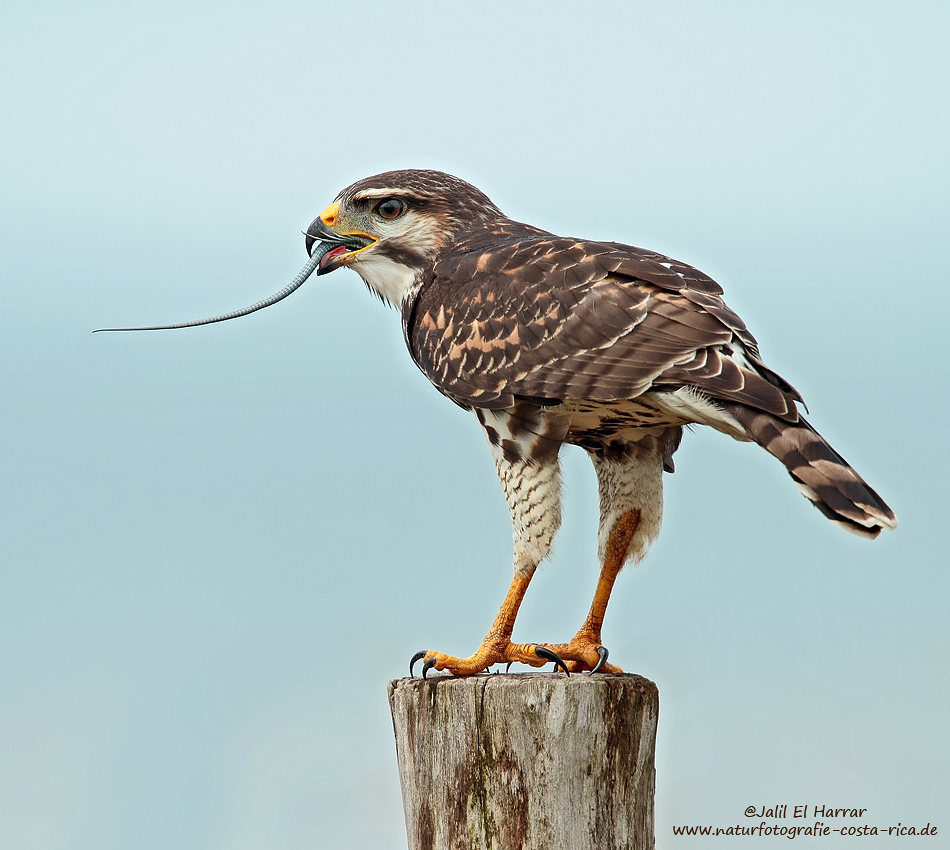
[217, 545]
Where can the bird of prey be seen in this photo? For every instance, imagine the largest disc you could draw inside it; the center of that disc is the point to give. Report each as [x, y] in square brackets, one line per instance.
[551, 340]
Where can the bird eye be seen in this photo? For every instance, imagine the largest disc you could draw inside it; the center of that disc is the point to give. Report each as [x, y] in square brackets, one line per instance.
[390, 208]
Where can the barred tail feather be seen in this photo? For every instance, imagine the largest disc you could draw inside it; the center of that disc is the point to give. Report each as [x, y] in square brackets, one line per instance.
[825, 478]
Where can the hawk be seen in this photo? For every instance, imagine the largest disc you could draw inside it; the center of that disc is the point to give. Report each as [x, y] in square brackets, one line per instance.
[552, 340]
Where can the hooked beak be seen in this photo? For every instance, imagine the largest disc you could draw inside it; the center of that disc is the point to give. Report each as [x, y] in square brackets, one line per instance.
[340, 244]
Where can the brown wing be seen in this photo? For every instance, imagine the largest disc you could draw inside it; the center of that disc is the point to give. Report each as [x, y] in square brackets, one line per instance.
[544, 317]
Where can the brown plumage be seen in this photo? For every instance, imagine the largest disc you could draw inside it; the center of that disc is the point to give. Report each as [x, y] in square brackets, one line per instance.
[566, 318]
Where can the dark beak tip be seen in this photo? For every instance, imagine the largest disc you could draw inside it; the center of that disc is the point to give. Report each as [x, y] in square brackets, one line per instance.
[313, 234]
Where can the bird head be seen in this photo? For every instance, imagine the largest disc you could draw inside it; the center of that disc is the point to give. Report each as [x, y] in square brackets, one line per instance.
[390, 227]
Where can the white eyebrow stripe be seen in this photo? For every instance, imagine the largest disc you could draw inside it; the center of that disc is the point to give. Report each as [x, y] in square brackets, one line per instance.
[366, 194]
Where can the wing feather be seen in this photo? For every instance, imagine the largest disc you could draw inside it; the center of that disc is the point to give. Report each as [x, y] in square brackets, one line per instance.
[555, 318]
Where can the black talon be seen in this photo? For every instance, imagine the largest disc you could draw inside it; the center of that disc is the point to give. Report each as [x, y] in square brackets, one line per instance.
[544, 652]
[412, 661]
[508, 666]
[427, 667]
[602, 652]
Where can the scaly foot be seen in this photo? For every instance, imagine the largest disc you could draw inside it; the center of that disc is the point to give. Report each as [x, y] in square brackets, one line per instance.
[489, 653]
[584, 652]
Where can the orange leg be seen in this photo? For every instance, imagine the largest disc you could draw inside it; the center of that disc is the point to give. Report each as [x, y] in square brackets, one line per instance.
[584, 652]
[496, 647]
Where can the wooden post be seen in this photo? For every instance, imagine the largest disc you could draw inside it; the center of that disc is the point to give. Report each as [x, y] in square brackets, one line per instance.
[536, 761]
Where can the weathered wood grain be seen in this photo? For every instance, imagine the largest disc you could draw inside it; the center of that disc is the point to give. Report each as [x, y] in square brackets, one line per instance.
[536, 761]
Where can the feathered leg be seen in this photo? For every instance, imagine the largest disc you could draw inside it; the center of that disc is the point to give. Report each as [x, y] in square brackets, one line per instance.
[630, 480]
[524, 441]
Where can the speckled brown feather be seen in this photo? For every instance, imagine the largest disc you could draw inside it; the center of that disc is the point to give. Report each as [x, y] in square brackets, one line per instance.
[512, 312]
